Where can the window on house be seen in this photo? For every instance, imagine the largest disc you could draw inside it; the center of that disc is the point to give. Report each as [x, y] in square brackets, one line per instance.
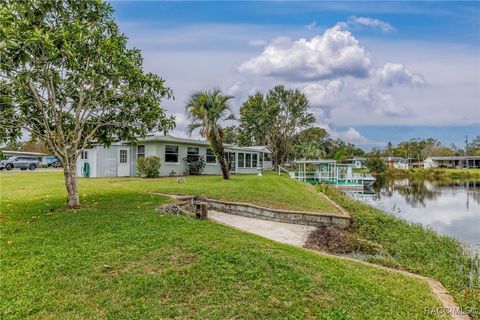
[254, 160]
[210, 156]
[260, 159]
[192, 153]
[84, 155]
[171, 154]
[268, 157]
[123, 156]
[248, 160]
[141, 151]
[241, 160]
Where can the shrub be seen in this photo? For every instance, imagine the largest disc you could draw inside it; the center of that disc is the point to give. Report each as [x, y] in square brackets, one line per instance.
[148, 167]
[376, 165]
[195, 165]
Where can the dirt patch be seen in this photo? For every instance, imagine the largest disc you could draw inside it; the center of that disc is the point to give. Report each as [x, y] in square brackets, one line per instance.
[340, 241]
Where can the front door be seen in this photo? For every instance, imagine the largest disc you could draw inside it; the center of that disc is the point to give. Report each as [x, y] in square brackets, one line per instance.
[123, 163]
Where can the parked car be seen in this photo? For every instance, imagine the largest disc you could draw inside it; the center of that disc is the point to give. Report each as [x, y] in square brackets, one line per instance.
[21, 162]
[54, 164]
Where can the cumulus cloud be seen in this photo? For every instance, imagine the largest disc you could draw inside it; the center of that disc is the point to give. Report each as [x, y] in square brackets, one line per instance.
[393, 74]
[323, 95]
[351, 135]
[334, 54]
[367, 22]
[380, 103]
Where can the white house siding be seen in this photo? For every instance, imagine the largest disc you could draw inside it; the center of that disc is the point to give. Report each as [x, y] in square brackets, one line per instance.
[104, 161]
[91, 159]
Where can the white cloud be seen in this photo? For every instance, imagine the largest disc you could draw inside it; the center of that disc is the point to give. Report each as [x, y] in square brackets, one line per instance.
[380, 103]
[351, 135]
[321, 94]
[334, 54]
[393, 74]
[368, 22]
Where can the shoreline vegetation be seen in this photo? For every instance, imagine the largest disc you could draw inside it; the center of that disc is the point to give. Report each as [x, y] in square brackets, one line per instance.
[390, 241]
[433, 173]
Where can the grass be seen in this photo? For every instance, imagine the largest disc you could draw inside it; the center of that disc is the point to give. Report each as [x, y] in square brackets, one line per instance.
[116, 259]
[416, 249]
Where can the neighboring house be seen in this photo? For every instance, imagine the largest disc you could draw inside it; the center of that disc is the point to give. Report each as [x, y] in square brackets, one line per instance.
[119, 160]
[452, 162]
[358, 163]
[396, 162]
[42, 157]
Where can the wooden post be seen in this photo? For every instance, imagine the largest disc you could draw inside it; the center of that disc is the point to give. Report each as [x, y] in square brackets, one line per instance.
[201, 211]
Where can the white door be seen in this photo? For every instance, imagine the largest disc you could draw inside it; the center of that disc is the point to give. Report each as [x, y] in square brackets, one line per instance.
[123, 163]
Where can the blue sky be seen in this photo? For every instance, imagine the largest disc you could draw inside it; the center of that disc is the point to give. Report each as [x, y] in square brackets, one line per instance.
[373, 71]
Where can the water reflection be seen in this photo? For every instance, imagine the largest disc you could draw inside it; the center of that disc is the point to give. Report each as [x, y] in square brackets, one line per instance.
[449, 207]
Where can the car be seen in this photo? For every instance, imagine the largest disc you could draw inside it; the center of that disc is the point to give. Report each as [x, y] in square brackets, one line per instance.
[54, 164]
[21, 162]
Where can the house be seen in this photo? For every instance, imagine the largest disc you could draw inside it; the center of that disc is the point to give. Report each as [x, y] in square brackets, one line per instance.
[119, 160]
[452, 162]
[358, 162]
[396, 162]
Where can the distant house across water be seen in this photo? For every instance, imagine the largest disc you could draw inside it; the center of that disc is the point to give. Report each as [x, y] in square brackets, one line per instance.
[459, 162]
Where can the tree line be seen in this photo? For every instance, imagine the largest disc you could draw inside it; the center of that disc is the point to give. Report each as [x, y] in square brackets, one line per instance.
[421, 149]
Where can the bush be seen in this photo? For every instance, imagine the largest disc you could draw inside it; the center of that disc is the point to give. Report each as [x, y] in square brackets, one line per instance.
[376, 165]
[148, 167]
[195, 165]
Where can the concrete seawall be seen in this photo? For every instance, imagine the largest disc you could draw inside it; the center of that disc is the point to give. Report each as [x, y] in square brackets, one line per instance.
[340, 219]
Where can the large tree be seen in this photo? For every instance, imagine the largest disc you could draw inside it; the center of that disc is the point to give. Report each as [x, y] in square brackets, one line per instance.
[275, 119]
[206, 110]
[68, 78]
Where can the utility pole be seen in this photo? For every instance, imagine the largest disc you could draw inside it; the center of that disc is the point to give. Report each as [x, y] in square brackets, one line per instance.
[466, 145]
[466, 151]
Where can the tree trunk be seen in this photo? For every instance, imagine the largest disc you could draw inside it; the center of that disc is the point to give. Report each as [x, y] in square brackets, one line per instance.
[71, 182]
[224, 168]
[217, 146]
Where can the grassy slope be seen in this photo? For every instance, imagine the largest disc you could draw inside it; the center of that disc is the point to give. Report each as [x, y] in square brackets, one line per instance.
[415, 248]
[269, 190]
[115, 258]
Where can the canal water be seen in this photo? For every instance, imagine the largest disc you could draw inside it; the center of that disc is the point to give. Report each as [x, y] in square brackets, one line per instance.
[449, 207]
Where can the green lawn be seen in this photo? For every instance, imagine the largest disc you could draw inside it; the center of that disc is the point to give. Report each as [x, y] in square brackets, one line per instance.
[269, 190]
[117, 259]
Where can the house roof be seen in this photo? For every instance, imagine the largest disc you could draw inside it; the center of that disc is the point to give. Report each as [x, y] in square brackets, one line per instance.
[170, 138]
[456, 158]
[263, 149]
[314, 161]
[200, 142]
[24, 153]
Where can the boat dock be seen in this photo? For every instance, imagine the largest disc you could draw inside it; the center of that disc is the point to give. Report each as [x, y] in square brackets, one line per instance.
[330, 172]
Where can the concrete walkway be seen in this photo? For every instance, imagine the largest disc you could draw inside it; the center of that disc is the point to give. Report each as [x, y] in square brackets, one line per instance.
[294, 234]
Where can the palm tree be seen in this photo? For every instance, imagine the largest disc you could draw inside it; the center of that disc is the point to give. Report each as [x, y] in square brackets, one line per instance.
[206, 109]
